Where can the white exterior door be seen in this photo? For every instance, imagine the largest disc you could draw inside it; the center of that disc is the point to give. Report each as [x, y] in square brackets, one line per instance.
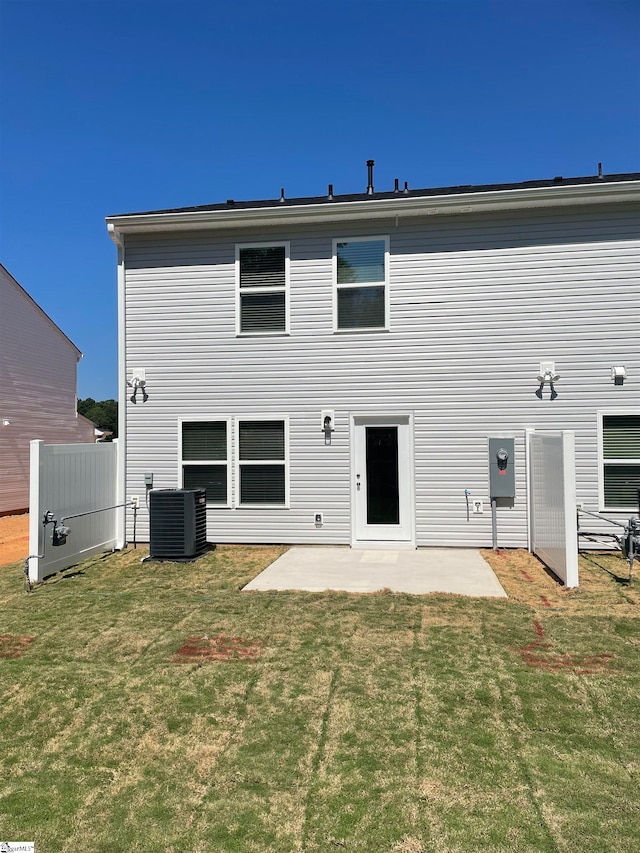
[383, 480]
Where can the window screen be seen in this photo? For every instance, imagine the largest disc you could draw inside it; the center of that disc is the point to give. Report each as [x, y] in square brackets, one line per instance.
[204, 459]
[360, 281]
[262, 282]
[262, 267]
[621, 457]
[360, 307]
[204, 440]
[261, 453]
[262, 312]
[360, 261]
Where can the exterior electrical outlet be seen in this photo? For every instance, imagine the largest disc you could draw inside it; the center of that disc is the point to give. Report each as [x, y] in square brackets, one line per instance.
[502, 479]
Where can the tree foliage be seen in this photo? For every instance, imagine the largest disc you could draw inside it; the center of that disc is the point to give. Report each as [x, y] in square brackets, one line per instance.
[104, 413]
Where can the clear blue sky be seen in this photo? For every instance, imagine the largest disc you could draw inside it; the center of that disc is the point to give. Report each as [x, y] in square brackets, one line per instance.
[113, 107]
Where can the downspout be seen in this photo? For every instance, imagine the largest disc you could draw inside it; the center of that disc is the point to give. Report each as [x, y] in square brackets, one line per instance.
[121, 534]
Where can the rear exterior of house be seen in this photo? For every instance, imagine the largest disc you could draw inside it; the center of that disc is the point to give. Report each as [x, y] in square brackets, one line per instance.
[331, 369]
[38, 365]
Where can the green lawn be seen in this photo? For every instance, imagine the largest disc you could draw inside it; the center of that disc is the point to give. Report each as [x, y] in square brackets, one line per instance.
[160, 709]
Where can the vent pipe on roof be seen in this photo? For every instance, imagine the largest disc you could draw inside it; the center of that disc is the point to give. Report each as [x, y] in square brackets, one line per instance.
[282, 198]
[330, 192]
[600, 175]
[406, 188]
[396, 186]
[370, 165]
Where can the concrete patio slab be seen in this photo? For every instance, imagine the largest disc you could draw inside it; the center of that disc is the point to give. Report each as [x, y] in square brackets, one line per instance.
[316, 569]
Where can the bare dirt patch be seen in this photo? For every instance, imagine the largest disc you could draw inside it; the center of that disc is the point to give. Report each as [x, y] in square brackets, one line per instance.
[14, 538]
[604, 581]
[541, 655]
[13, 646]
[220, 648]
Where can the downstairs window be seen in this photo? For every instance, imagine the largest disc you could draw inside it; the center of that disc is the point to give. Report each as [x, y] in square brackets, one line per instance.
[620, 455]
[262, 465]
[205, 459]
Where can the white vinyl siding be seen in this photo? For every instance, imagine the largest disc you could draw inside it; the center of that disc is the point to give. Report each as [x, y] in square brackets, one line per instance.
[476, 302]
[262, 462]
[205, 459]
[360, 270]
[262, 283]
[619, 453]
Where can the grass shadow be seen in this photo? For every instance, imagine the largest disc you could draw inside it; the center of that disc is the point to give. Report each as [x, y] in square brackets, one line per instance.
[589, 558]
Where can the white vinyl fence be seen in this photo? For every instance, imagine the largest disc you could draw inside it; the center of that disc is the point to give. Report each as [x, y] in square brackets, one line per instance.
[552, 496]
[71, 480]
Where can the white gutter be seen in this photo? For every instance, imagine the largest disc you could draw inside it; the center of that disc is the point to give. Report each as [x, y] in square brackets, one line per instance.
[121, 529]
[401, 206]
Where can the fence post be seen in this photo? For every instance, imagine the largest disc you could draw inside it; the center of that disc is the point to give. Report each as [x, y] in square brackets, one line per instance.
[36, 529]
[570, 520]
[528, 433]
[121, 517]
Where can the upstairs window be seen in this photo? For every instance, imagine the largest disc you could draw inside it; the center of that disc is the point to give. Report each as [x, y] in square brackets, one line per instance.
[620, 454]
[205, 459]
[361, 270]
[262, 463]
[262, 276]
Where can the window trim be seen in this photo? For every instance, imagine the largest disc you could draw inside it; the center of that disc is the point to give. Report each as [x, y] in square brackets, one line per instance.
[238, 462]
[228, 462]
[602, 413]
[271, 244]
[336, 287]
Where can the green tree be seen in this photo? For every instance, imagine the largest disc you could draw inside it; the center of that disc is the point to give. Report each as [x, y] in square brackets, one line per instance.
[104, 413]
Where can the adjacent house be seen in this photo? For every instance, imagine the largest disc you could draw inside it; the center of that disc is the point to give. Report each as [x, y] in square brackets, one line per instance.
[331, 369]
[38, 366]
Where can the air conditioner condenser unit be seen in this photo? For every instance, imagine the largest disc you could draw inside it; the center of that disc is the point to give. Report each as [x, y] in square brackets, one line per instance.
[177, 523]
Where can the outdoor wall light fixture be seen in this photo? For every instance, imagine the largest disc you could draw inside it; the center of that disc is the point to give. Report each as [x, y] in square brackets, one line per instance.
[328, 418]
[547, 373]
[618, 374]
[138, 383]
[327, 421]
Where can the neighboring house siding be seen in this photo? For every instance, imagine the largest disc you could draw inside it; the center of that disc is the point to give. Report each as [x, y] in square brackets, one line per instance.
[475, 305]
[37, 389]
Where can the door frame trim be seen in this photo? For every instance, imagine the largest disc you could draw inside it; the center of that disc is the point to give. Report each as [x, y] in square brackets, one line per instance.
[380, 418]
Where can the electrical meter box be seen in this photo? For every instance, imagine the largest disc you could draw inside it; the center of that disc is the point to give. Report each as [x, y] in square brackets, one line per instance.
[502, 471]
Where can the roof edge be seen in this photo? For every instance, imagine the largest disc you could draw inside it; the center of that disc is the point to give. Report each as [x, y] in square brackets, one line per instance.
[79, 352]
[419, 202]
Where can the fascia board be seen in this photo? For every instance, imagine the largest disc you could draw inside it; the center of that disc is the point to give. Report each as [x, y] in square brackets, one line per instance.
[404, 206]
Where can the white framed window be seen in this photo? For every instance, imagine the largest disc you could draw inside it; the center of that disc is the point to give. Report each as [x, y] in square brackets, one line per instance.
[262, 464]
[262, 288]
[205, 454]
[361, 283]
[619, 459]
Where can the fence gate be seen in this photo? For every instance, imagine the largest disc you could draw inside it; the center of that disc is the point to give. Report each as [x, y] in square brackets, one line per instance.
[66, 480]
[552, 502]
